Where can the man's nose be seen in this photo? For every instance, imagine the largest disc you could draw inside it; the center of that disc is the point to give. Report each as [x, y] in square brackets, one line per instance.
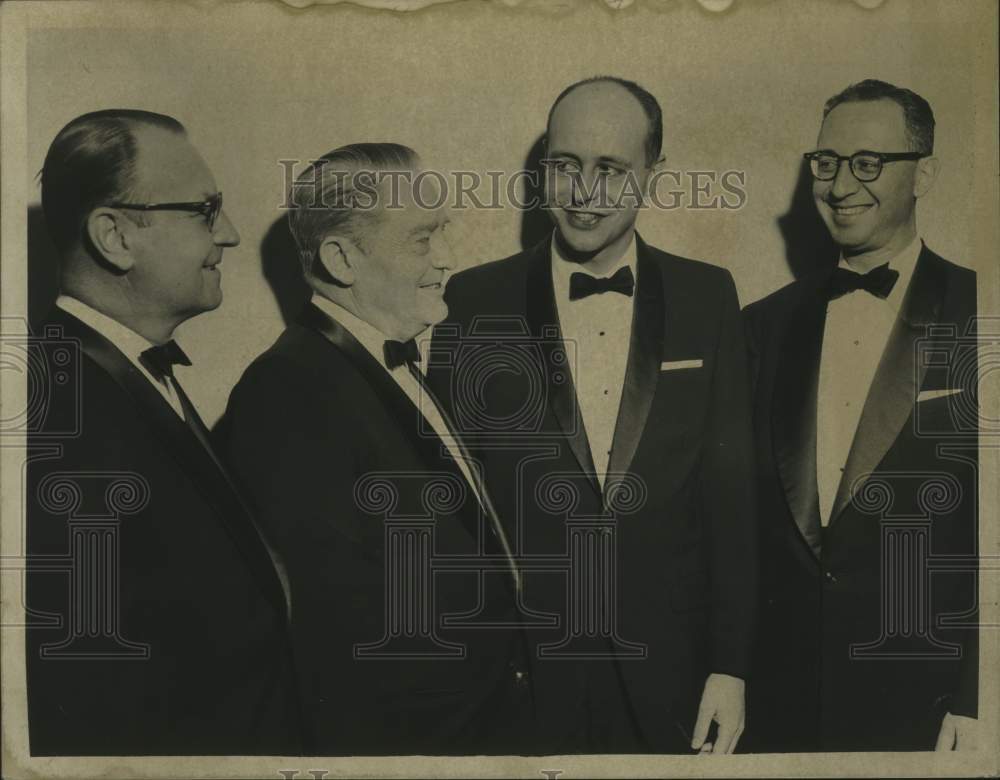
[844, 183]
[584, 190]
[224, 233]
[442, 256]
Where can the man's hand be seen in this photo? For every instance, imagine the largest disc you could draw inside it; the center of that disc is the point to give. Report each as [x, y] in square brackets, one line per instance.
[721, 701]
[958, 732]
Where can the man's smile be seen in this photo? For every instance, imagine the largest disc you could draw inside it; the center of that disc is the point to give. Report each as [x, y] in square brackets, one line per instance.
[844, 213]
[583, 220]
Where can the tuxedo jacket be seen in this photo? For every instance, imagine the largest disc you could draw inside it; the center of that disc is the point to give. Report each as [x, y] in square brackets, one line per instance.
[680, 584]
[334, 452]
[157, 620]
[852, 655]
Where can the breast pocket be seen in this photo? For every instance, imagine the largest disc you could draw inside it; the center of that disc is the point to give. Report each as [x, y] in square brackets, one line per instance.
[680, 402]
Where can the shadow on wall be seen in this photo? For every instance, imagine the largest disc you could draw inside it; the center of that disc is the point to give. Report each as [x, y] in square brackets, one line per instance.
[535, 223]
[808, 245]
[279, 260]
[43, 267]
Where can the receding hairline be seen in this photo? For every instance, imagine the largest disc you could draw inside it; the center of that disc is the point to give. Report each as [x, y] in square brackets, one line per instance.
[648, 104]
[597, 84]
[146, 137]
[901, 113]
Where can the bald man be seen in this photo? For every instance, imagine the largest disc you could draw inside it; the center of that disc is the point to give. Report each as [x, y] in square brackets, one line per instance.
[625, 411]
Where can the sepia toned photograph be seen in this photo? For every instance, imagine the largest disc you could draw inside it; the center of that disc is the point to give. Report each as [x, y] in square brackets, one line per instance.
[484, 388]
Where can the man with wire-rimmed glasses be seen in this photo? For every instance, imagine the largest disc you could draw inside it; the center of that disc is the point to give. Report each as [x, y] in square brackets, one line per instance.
[169, 634]
[856, 379]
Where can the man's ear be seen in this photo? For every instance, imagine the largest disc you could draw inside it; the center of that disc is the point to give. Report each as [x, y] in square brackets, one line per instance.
[927, 171]
[111, 235]
[654, 174]
[339, 256]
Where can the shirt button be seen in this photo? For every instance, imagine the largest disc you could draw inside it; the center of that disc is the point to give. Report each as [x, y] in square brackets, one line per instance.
[601, 333]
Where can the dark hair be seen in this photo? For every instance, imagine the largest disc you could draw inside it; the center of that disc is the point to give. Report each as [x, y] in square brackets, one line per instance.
[654, 138]
[323, 197]
[916, 111]
[92, 162]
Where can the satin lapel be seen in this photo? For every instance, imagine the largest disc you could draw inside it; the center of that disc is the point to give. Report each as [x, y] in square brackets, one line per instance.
[894, 387]
[388, 390]
[644, 358]
[191, 456]
[543, 321]
[431, 448]
[793, 414]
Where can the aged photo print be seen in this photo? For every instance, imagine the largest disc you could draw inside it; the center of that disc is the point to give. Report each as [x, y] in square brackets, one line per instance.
[499, 388]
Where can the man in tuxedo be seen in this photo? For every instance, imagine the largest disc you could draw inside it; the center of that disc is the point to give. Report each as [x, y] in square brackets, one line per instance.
[387, 532]
[864, 408]
[602, 383]
[157, 617]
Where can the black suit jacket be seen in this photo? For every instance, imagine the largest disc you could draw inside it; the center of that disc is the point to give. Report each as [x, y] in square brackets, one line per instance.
[182, 646]
[331, 447]
[837, 668]
[684, 572]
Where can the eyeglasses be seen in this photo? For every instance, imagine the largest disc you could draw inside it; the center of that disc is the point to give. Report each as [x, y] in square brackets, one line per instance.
[866, 166]
[209, 209]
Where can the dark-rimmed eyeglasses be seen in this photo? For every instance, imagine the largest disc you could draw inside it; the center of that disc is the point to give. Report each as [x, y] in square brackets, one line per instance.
[209, 209]
[866, 166]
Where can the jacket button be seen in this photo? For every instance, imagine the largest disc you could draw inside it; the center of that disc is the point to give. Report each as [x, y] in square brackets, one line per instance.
[829, 577]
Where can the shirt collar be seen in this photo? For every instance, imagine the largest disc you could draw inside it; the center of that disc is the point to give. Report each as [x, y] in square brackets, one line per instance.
[904, 263]
[130, 343]
[370, 337]
[562, 268]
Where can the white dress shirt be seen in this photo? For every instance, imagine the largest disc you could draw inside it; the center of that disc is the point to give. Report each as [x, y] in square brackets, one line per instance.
[373, 340]
[128, 342]
[854, 338]
[597, 331]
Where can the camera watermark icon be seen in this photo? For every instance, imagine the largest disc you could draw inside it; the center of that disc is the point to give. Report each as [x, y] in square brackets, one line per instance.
[50, 365]
[952, 367]
[501, 352]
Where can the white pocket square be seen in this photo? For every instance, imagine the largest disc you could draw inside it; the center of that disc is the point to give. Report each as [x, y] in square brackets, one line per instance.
[673, 365]
[930, 395]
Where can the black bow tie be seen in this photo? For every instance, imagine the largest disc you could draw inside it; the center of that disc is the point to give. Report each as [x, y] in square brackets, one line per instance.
[879, 282]
[160, 360]
[621, 281]
[398, 353]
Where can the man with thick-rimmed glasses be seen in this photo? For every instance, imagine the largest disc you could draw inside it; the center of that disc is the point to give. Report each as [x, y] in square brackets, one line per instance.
[867, 459]
[161, 615]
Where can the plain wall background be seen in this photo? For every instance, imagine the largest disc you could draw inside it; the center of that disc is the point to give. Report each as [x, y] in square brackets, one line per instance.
[469, 85]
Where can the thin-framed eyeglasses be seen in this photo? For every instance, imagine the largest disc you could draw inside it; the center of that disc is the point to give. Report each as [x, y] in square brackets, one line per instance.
[866, 166]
